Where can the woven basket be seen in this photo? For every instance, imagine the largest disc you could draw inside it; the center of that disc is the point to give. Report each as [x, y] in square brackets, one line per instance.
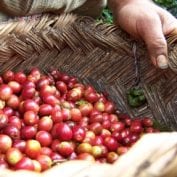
[100, 54]
[97, 53]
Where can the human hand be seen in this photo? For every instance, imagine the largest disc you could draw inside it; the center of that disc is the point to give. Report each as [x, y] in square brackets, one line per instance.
[145, 20]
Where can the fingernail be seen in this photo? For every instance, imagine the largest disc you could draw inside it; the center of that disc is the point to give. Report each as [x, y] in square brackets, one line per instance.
[162, 62]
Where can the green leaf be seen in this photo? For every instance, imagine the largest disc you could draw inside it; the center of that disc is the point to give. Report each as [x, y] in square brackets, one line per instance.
[142, 99]
[133, 102]
[135, 91]
[106, 16]
[136, 97]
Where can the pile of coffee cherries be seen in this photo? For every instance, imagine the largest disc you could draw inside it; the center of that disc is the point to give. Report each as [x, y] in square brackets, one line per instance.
[50, 118]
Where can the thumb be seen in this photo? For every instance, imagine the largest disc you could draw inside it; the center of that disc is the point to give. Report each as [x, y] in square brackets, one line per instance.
[152, 33]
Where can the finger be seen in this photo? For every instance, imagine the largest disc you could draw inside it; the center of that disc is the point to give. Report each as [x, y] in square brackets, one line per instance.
[169, 22]
[152, 33]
